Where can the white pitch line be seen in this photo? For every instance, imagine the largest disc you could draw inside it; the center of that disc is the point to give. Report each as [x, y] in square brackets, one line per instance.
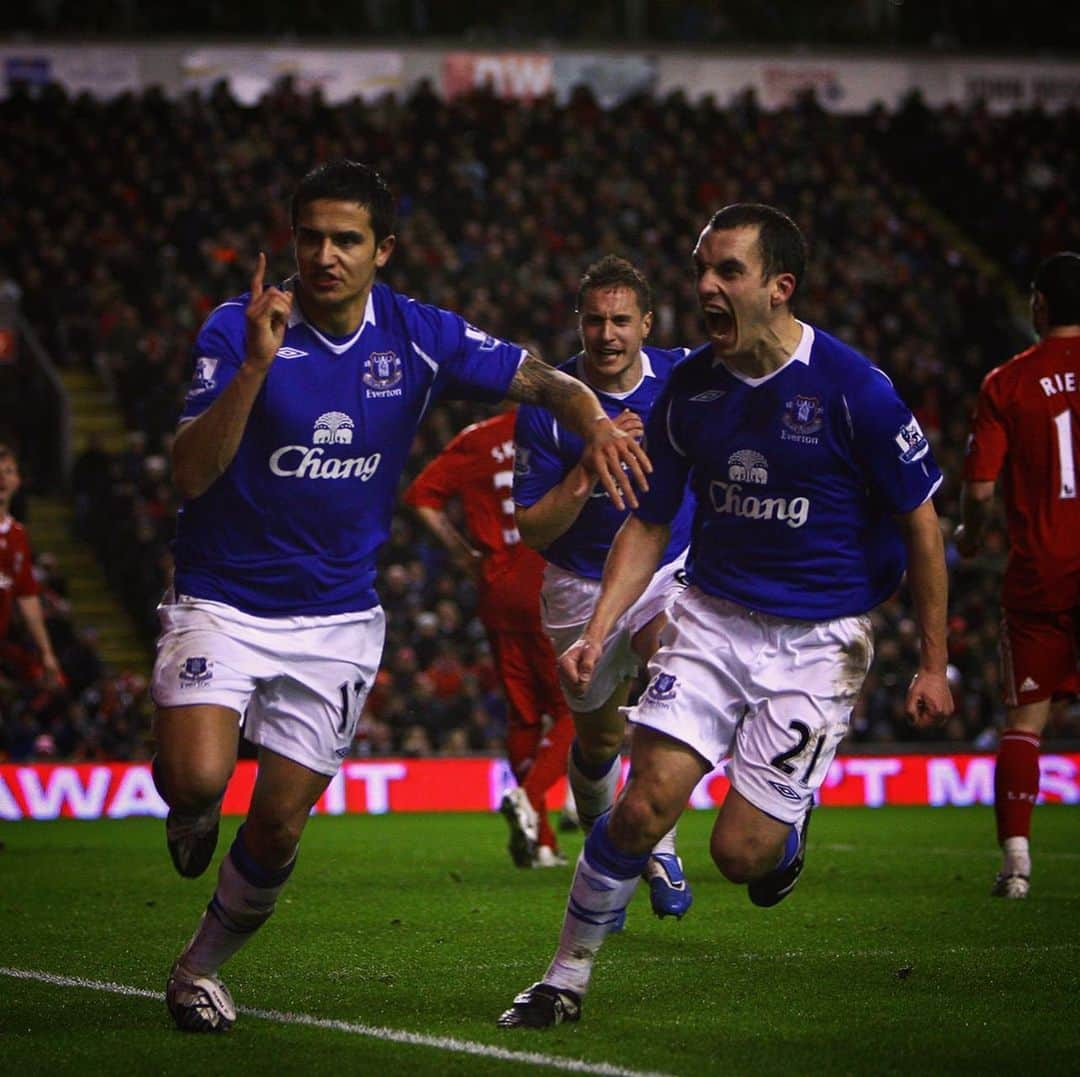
[391, 1035]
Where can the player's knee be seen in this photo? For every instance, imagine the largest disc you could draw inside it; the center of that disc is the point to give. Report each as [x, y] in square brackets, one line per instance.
[741, 858]
[639, 818]
[190, 786]
[599, 745]
[734, 865]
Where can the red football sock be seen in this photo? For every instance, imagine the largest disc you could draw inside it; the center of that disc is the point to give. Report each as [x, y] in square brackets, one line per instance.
[550, 763]
[522, 743]
[545, 833]
[1016, 783]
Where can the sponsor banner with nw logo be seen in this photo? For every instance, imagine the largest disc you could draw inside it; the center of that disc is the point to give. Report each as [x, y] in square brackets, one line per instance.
[520, 75]
[375, 786]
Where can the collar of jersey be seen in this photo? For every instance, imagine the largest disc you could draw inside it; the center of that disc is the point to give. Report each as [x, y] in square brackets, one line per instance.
[296, 317]
[801, 354]
[646, 372]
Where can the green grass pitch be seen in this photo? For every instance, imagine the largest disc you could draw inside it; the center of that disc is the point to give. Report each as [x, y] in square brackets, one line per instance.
[890, 957]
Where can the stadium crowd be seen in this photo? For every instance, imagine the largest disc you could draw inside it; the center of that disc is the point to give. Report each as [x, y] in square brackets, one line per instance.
[1021, 175]
[97, 714]
[124, 223]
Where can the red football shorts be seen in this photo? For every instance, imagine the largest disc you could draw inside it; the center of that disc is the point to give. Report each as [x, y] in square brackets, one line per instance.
[1039, 655]
[526, 665]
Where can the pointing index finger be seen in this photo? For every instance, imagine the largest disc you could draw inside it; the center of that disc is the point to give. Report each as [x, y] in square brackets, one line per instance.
[257, 276]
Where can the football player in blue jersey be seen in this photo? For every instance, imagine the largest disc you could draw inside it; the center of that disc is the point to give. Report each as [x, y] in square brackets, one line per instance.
[572, 523]
[301, 412]
[813, 486]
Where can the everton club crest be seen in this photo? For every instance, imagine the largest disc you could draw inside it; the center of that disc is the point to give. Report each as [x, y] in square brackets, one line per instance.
[803, 417]
[662, 689]
[195, 672]
[382, 373]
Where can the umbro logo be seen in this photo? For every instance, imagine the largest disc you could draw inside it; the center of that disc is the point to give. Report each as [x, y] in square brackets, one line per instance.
[785, 791]
[708, 396]
[1029, 685]
[290, 353]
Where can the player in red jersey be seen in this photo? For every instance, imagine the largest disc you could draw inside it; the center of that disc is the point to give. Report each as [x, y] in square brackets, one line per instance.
[477, 466]
[18, 587]
[1027, 428]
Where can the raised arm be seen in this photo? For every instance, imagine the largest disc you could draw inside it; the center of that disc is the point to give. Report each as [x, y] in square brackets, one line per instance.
[610, 457]
[205, 446]
[929, 700]
[630, 565]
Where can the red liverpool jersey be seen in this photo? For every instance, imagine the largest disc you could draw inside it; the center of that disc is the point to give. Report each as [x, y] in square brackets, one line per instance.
[16, 570]
[477, 466]
[1027, 423]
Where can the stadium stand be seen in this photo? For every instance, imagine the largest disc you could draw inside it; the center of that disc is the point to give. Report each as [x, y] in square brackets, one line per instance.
[125, 223]
[1019, 173]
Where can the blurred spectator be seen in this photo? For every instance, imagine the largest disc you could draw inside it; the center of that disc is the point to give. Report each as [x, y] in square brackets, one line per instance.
[146, 219]
[26, 650]
[97, 715]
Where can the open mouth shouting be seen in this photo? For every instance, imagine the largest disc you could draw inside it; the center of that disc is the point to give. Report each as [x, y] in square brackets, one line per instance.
[719, 323]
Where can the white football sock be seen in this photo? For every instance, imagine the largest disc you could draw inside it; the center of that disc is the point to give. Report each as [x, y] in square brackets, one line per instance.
[593, 796]
[236, 911]
[667, 843]
[596, 900]
[1017, 857]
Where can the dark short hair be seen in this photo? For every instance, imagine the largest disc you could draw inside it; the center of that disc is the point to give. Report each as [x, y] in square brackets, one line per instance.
[611, 271]
[1058, 278]
[8, 453]
[781, 243]
[349, 181]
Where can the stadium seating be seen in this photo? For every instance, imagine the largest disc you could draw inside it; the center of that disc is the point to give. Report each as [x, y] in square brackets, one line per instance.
[127, 222]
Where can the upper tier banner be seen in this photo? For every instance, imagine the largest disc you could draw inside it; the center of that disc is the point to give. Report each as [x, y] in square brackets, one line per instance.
[840, 82]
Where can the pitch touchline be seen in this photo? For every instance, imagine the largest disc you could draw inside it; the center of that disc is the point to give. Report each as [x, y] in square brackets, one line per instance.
[392, 1035]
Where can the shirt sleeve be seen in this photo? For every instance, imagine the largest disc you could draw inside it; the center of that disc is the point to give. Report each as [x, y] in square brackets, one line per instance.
[470, 364]
[217, 355]
[660, 504]
[890, 446]
[443, 479]
[537, 463]
[988, 443]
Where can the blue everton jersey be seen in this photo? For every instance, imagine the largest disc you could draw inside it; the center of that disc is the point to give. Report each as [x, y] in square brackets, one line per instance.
[294, 524]
[545, 453]
[798, 477]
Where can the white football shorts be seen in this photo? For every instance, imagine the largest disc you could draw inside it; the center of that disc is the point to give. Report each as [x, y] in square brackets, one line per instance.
[298, 684]
[566, 604]
[772, 695]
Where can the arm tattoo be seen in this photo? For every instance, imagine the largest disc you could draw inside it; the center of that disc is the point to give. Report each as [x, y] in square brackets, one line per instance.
[537, 383]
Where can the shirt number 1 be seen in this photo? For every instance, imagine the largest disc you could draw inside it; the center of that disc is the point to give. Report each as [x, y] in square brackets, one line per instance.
[1066, 463]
